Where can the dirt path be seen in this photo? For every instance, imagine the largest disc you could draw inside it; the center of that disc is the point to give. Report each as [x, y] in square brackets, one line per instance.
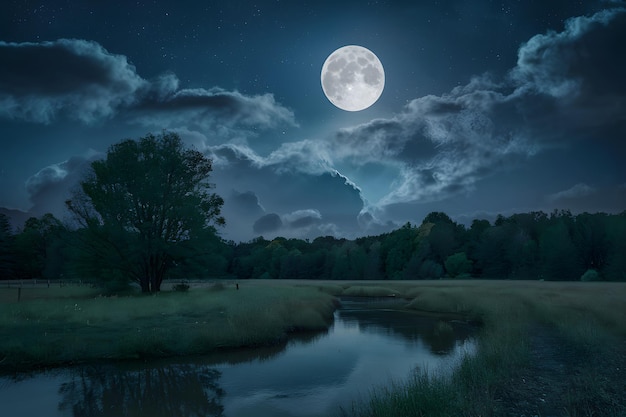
[562, 380]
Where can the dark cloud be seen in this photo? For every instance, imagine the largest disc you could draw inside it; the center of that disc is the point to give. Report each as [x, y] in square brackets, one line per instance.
[81, 80]
[244, 203]
[215, 109]
[302, 219]
[241, 210]
[270, 223]
[578, 72]
[305, 224]
[78, 78]
[300, 224]
[580, 62]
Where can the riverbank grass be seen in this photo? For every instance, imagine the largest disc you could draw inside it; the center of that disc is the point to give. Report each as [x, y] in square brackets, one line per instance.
[588, 318]
[55, 330]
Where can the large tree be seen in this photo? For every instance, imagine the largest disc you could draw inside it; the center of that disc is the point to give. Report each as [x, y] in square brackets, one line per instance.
[147, 207]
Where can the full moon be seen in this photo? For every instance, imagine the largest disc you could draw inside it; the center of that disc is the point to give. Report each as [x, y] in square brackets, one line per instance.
[353, 78]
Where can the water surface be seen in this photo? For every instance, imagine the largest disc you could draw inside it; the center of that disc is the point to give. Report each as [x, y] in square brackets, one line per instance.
[311, 375]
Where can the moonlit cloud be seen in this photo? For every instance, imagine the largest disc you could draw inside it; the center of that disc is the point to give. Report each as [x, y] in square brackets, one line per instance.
[307, 202]
[443, 145]
[302, 218]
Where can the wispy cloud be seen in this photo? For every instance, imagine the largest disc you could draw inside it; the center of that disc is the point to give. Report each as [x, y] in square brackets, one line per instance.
[578, 190]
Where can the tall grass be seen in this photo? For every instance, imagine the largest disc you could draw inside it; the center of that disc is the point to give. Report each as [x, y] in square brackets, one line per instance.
[369, 291]
[422, 396]
[60, 329]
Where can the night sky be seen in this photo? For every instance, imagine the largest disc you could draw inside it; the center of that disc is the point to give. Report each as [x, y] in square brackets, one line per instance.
[489, 107]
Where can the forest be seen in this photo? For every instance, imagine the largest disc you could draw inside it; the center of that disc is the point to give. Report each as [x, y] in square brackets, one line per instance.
[533, 246]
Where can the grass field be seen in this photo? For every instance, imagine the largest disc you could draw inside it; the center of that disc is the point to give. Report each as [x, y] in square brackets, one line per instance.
[74, 324]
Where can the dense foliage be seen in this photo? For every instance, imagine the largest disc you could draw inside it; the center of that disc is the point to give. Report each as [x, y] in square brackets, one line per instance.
[556, 246]
[559, 246]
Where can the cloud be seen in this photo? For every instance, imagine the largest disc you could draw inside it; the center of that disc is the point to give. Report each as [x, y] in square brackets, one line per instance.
[299, 224]
[245, 203]
[578, 190]
[77, 78]
[439, 146]
[580, 68]
[222, 112]
[302, 218]
[49, 188]
[582, 197]
[582, 59]
[308, 202]
[270, 223]
[241, 210]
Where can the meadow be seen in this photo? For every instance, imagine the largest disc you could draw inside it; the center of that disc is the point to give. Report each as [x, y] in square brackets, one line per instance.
[69, 325]
[548, 348]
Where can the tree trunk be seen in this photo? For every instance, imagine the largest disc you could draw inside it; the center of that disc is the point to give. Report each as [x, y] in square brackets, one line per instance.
[145, 285]
[155, 285]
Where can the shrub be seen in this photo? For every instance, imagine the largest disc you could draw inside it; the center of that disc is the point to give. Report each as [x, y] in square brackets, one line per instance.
[590, 275]
[430, 270]
[368, 291]
[181, 287]
[458, 264]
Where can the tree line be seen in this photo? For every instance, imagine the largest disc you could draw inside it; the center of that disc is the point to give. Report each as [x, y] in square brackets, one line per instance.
[146, 212]
[536, 246]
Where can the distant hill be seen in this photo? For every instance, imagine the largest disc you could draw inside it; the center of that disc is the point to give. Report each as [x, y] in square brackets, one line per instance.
[17, 218]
